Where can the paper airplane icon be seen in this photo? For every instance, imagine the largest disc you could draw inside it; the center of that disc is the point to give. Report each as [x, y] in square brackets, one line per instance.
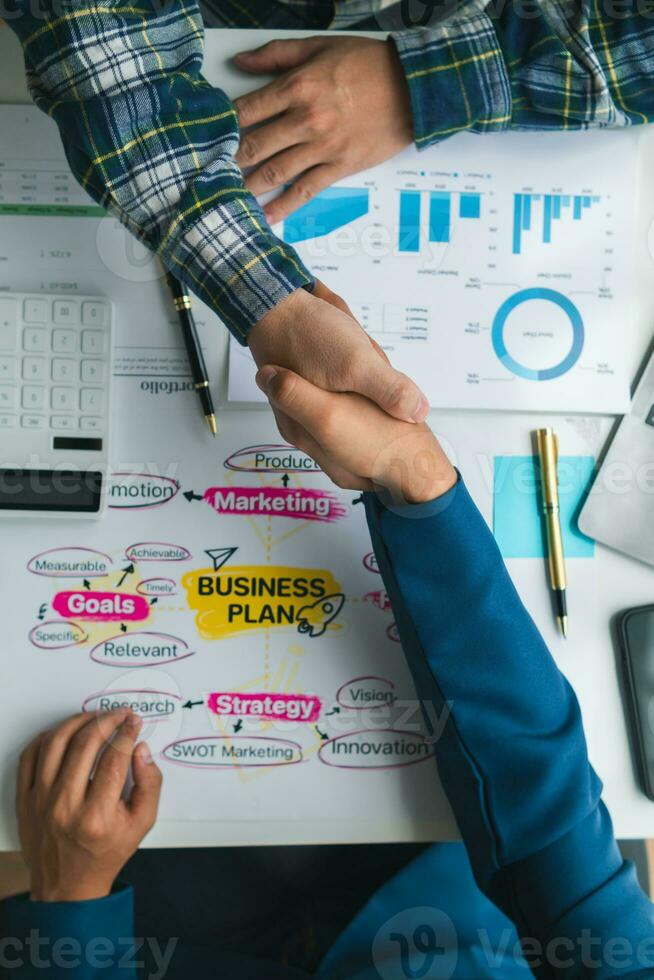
[219, 556]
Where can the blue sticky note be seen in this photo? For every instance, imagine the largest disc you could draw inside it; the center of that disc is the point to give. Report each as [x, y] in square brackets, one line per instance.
[517, 511]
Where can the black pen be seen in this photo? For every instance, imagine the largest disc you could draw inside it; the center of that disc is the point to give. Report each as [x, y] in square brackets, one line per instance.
[182, 303]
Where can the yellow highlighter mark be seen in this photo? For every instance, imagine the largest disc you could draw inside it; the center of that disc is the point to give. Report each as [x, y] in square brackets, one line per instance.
[258, 597]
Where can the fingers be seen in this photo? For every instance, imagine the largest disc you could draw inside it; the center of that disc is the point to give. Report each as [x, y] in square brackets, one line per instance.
[297, 435]
[297, 398]
[144, 799]
[82, 753]
[303, 190]
[396, 394]
[339, 475]
[266, 141]
[54, 746]
[278, 56]
[323, 292]
[280, 170]
[109, 778]
[27, 769]
[265, 102]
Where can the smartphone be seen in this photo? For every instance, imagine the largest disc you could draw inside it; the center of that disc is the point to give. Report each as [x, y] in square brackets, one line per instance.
[636, 631]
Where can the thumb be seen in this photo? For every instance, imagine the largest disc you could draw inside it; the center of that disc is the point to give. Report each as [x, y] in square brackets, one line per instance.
[393, 391]
[293, 395]
[278, 56]
[144, 798]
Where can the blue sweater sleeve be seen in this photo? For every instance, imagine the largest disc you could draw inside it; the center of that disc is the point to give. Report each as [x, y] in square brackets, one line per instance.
[512, 757]
[84, 940]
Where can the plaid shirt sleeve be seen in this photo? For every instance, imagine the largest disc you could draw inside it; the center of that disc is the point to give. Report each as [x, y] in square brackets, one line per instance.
[551, 64]
[154, 144]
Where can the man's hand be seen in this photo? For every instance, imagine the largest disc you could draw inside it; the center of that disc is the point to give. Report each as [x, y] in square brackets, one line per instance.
[356, 444]
[339, 105]
[315, 338]
[76, 832]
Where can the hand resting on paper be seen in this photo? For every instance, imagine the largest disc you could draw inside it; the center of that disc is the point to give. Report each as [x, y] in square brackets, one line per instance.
[77, 833]
[338, 105]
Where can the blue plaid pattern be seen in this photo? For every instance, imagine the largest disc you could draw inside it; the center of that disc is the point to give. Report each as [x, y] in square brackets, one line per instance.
[154, 143]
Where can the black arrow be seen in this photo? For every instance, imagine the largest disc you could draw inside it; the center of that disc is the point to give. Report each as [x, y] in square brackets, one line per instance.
[190, 495]
[285, 479]
[358, 500]
[154, 601]
[322, 734]
[42, 611]
[87, 584]
[192, 704]
[126, 571]
[334, 711]
[123, 628]
[238, 725]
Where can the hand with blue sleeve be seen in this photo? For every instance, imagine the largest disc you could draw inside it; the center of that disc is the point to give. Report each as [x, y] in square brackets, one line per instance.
[512, 757]
[76, 834]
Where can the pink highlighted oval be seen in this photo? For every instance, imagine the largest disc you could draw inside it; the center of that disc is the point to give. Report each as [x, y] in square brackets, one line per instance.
[392, 632]
[148, 587]
[204, 739]
[366, 705]
[131, 638]
[57, 646]
[245, 461]
[146, 691]
[370, 562]
[79, 553]
[370, 734]
[164, 483]
[184, 553]
[101, 607]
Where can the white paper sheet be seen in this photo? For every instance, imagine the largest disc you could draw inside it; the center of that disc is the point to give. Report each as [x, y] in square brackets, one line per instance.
[172, 518]
[494, 270]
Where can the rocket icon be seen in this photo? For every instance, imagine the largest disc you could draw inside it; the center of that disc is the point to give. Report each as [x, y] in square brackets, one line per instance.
[314, 619]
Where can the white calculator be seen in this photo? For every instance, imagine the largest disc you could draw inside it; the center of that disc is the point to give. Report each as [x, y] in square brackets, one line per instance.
[55, 402]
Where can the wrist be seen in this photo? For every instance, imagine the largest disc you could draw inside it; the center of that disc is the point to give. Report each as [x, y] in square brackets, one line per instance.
[79, 892]
[414, 469]
[290, 307]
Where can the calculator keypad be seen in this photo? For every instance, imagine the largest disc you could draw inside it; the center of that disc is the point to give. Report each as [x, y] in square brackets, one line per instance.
[54, 355]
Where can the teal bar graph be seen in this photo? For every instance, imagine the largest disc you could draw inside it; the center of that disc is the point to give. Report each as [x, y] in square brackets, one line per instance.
[330, 210]
[470, 206]
[555, 208]
[409, 221]
[442, 213]
[440, 205]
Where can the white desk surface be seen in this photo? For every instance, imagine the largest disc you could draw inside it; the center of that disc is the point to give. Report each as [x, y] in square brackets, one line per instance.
[624, 582]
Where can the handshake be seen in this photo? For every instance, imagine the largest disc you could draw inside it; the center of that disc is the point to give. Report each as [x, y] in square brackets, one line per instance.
[336, 397]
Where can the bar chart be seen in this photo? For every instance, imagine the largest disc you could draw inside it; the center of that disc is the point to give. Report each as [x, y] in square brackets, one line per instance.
[554, 207]
[440, 218]
[492, 276]
[332, 209]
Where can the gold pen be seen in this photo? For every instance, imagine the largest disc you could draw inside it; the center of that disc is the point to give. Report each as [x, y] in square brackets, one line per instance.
[548, 454]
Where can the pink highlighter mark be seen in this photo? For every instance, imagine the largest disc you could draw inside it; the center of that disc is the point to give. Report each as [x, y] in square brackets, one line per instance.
[298, 503]
[379, 599]
[267, 707]
[101, 606]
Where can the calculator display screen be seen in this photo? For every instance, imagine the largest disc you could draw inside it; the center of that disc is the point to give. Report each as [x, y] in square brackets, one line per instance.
[58, 491]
